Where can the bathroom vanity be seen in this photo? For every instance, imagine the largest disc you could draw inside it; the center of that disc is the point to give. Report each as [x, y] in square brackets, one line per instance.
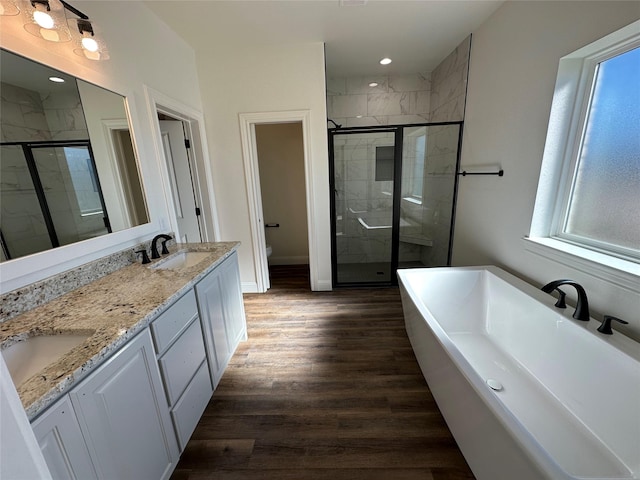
[124, 402]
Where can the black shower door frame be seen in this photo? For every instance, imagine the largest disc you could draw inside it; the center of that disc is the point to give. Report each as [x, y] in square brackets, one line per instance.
[398, 131]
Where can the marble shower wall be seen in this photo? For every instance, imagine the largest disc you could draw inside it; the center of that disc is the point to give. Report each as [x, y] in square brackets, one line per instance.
[449, 85]
[360, 195]
[396, 100]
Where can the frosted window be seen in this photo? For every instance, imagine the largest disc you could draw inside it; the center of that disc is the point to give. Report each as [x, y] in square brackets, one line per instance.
[605, 199]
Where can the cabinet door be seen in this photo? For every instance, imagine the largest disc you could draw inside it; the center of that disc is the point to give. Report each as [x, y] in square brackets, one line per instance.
[62, 444]
[232, 302]
[124, 415]
[209, 296]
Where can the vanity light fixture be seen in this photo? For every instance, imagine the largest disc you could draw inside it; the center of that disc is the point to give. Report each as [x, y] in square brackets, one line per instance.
[90, 45]
[385, 61]
[8, 8]
[46, 19]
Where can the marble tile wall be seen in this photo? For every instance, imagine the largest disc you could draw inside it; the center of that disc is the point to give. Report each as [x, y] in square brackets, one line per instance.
[449, 85]
[23, 118]
[396, 100]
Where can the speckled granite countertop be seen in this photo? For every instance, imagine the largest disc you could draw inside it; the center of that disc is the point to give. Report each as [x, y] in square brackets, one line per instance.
[112, 310]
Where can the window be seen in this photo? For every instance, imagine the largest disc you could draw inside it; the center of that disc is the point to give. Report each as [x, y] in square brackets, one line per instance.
[603, 209]
[417, 179]
[588, 200]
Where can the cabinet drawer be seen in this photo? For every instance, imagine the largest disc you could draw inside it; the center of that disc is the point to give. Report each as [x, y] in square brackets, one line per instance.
[189, 409]
[180, 362]
[169, 324]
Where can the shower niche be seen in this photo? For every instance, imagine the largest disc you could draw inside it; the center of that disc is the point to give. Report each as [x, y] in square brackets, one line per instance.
[393, 201]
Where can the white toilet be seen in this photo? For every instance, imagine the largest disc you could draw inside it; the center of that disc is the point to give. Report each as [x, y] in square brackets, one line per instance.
[269, 250]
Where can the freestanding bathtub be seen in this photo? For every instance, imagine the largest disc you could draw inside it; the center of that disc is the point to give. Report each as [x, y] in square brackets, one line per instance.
[564, 400]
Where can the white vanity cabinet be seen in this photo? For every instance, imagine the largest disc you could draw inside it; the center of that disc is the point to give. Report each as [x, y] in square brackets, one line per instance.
[62, 444]
[179, 343]
[124, 416]
[222, 314]
[133, 415]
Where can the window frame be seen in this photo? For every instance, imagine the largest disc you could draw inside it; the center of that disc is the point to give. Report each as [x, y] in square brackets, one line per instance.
[577, 73]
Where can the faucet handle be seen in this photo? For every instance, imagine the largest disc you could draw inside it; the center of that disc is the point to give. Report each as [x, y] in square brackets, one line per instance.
[606, 324]
[145, 257]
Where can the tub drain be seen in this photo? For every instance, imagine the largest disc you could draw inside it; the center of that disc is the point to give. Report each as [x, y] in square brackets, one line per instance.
[494, 384]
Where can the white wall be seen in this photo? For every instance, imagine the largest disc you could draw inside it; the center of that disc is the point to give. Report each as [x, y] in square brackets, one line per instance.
[263, 78]
[144, 51]
[514, 61]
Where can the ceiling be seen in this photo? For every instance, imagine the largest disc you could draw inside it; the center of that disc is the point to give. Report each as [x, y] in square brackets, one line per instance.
[25, 73]
[416, 34]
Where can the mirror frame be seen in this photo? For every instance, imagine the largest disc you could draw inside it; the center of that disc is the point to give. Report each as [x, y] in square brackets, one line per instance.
[23, 271]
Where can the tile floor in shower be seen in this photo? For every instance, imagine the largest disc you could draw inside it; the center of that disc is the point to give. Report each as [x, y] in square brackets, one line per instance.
[349, 273]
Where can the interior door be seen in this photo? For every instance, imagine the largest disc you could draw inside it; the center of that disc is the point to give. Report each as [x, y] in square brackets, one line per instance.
[180, 176]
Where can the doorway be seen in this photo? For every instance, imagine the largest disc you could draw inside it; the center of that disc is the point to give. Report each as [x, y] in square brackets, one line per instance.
[200, 184]
[176, 146]
[248, 124]
[280, 151]
[393, 201]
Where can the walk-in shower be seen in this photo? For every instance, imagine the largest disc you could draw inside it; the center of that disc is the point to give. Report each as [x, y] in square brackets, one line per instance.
[393, 201]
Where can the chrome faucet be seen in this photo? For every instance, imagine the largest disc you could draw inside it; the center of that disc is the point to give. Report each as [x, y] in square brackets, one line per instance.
[154, 245]
[582, 306]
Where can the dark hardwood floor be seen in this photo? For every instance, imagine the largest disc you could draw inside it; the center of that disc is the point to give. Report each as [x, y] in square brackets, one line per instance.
[326, 387]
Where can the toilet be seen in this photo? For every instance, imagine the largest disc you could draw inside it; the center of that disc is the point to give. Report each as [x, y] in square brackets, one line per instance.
[269, 250]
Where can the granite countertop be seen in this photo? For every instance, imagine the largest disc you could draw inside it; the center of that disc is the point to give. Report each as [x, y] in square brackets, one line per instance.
[111, 310]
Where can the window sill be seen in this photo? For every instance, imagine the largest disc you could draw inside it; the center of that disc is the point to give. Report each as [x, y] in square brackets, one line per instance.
[613, 270]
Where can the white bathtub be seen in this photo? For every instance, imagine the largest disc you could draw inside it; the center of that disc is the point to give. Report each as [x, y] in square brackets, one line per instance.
[570, 401]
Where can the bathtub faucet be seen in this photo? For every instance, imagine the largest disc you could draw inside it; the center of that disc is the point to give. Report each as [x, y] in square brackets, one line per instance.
[582, 306]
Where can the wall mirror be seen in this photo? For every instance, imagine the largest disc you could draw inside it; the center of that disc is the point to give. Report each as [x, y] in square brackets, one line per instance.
[68, 167]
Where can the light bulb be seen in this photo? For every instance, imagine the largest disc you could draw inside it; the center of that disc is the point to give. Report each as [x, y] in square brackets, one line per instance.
[89, 44]
[43, 19]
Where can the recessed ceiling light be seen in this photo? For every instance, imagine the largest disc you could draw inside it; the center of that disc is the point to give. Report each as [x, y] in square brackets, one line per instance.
[358, 116]
[373, 84]
[56, 79]
[385, 61]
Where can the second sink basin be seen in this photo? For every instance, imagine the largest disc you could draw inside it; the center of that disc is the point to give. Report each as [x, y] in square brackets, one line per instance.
[181, 260]
[28, 357]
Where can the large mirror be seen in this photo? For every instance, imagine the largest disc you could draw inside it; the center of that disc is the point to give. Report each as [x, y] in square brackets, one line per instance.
[68, 168]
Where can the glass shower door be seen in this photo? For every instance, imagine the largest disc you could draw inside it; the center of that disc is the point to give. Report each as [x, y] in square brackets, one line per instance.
[363, 182]
[428, 189]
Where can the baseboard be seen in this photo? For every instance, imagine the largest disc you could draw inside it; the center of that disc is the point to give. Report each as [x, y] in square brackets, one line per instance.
[250, 287]
[323, 286]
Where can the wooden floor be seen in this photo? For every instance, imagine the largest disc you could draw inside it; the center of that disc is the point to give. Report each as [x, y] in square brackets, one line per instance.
[326, 387]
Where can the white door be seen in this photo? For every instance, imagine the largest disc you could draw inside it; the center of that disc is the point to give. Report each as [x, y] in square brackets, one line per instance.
[184, 202]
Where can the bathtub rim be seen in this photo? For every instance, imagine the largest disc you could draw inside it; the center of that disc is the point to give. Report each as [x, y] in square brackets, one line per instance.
[525, 440]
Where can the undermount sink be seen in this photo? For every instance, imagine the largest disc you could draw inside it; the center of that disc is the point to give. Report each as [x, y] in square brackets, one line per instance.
[29, 356]
[181, 260]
